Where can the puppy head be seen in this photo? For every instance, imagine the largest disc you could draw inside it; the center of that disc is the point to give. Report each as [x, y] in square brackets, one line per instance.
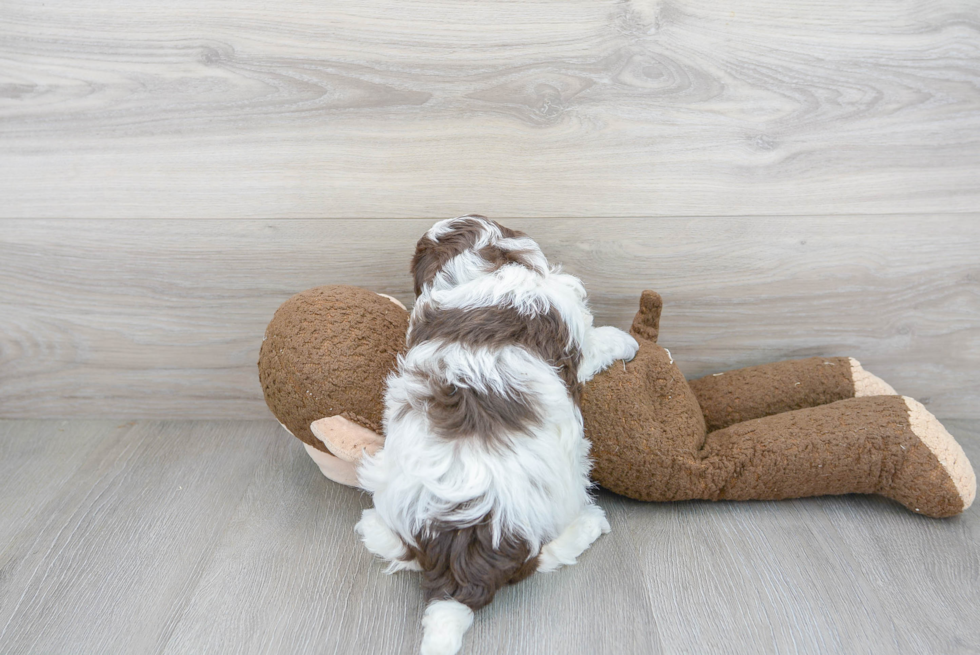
[445, 240]
[449, 238]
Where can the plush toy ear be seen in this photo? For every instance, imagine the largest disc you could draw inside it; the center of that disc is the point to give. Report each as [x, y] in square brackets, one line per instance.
[347, 442]
[646, 323]
[345, 439]
[394, 300]
[333, 468]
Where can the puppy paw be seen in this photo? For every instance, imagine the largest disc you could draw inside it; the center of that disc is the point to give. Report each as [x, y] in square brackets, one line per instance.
[575, 540]
[381, 541]
[601, 520]
[626, 346]
[595, 523]
[605, 345]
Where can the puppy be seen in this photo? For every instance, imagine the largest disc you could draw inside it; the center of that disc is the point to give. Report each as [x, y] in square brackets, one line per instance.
[484, 476]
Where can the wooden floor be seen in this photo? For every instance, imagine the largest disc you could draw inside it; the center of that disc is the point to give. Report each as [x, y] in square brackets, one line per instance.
[222, 537]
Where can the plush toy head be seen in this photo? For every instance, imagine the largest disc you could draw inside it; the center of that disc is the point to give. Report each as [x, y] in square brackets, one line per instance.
[327, 352]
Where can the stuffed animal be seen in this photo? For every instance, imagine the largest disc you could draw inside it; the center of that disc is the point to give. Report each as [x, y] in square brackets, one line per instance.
[807, 427]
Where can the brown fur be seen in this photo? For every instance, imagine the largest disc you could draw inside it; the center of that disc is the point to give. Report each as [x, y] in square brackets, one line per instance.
[463, 564]
[546, 335]
[431, 256]
[778, 387]
[462, 411]
[497, 257]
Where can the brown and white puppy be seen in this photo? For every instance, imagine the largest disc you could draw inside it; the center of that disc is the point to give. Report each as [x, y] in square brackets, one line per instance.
[484, 475]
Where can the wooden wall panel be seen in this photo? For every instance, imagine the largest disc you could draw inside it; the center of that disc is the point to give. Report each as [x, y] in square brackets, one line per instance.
[164, 318]
[538, 108]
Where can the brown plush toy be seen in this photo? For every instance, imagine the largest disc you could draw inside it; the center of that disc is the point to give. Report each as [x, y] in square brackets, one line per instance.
[808, 427]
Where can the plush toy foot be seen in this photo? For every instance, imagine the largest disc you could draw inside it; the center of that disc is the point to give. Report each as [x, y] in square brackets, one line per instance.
[920, 484]
[345, 439]
[868, 384]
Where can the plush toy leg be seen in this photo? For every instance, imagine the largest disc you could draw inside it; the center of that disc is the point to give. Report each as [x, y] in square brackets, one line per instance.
[886, 445]
[748, 393]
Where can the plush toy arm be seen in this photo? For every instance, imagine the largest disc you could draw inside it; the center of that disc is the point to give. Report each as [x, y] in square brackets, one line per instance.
[748, 393]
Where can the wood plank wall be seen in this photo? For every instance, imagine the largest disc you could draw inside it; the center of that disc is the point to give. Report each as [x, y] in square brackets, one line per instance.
[165, 318]
[795, 178]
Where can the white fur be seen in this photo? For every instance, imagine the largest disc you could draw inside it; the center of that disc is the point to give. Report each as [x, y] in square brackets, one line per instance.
[605, 346]
[533, 489]
[443, 626]
[537, 487]
[576, 538]
[384, 543]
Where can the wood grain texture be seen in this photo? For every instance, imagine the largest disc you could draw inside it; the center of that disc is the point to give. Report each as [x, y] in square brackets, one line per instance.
[854, 574]
[113, 556]
[540, 108]
[291, 550]
[37, 459]
[164, 318]
[222, 536]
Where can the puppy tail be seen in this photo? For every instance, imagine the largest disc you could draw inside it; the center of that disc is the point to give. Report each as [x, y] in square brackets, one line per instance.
[443, 626]
[462, 569]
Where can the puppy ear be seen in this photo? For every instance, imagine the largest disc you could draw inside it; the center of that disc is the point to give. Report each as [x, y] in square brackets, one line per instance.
[432, 254]
[426, 263]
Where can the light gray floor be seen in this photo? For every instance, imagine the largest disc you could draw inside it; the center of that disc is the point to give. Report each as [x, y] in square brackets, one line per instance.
[222, 536]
